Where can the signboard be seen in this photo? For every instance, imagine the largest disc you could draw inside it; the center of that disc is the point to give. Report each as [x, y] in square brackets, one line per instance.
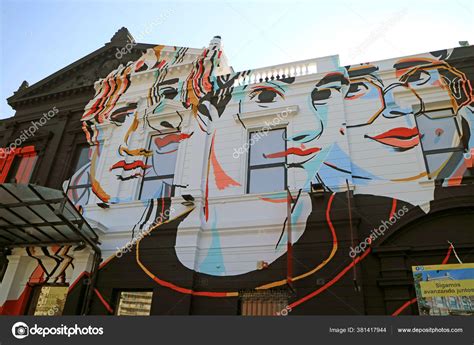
[445, 289]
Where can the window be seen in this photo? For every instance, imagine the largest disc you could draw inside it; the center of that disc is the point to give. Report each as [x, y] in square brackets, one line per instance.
[79, 184]
[134, 303]
[453, 302]
[3, 265]
[264, 303]
[21, 165]
[48, 300]
[158, 179]
[267, 159]
[440, 139]
[22, 168]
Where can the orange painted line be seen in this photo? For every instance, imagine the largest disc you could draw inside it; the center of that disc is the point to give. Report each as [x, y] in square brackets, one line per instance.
[322, 264]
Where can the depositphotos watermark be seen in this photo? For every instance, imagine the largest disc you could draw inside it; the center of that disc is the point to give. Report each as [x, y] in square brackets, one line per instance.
[263, 132]
[127, 49]
[29, 132]
[376, 233]
[21, 330]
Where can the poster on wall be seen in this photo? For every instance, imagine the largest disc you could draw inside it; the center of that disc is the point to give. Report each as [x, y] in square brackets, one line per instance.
[445, 289]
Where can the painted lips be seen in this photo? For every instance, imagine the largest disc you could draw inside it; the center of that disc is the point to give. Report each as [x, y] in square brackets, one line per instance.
[293, 151]
[130, 166]
[402, 138]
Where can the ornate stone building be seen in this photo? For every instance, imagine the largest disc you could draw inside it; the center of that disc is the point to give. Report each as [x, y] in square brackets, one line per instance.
[302, 188]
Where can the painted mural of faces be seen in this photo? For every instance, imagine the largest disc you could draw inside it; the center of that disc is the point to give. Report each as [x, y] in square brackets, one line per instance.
[312, 138]
[319, 149]
[403, 133]
[115, 102]
[445, 132]
[380, 127]
[271, 146]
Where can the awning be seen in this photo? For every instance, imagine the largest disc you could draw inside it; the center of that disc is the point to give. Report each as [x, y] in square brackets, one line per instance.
[32, 215]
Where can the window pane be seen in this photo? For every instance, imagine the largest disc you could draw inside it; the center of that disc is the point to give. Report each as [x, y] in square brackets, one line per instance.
[437, 162]
[22, 169]
[82, 158]
[51, 301]
[11, 177]
[165, 151]
[438, 133]
[134, 303]
[158, 188]
[266, 143]
[267, 180]
[264, 303]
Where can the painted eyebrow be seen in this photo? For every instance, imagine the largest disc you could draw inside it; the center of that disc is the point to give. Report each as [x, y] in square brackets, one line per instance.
[370, 76]
[169, 81]
[331, 78]
[402, 65]
[361, 71]
[274, 84]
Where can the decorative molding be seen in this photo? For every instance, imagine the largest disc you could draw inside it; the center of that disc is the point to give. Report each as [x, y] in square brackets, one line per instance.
[267, 113]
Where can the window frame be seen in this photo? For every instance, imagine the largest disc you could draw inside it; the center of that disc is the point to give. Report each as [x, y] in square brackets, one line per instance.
[35, 293]
[436, 151]
[268, 165]
[16, 156]
[159, 177]
[74, 166]
[118, 293]
[258, 303]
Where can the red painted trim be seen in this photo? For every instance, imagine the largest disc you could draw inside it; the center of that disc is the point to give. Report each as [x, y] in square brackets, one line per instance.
[404, 306]
[17, 306]
[394, 207]
[410, 302]
[103, 301]
[448, 254]
[6, 163]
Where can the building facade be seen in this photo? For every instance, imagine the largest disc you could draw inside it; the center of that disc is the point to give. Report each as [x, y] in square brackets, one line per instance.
[303, 188]
[43, 144]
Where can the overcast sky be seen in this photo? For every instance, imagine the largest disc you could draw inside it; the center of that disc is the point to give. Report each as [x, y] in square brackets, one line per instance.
[41, 37]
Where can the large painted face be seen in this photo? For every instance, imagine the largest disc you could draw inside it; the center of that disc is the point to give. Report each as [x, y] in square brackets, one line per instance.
[305, 138]
[439, 129]
[309, 140]
[117, 102]
[317, 149]
[380, 126]
[399, 133]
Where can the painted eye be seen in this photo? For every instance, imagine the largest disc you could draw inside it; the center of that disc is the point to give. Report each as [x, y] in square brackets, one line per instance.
[119, 115]
[306, 137]
[321, 96]
[357, 90]
[169, 92]
[419, 77]
[265, 94]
